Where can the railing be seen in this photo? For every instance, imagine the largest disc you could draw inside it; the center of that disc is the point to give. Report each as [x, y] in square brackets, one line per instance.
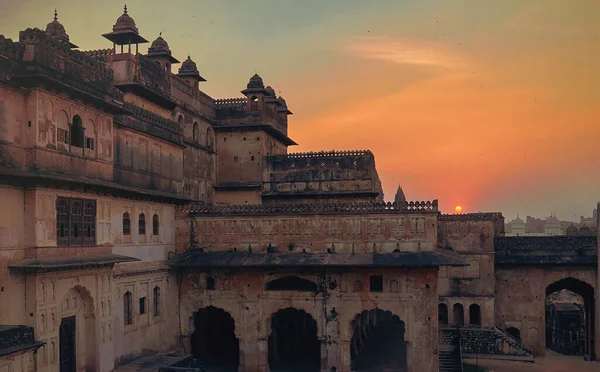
[143, 114]
[317, 208]
[231, 102]
[322, 154]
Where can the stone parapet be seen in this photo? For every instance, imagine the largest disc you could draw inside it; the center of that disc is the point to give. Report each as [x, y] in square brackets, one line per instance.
[316, 208]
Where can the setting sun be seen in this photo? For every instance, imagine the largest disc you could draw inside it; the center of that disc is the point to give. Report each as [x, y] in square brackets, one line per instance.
[458, 208]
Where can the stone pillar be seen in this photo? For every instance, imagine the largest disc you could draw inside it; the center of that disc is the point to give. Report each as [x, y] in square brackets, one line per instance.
[343, 360]
[186, 341]
[409, 357]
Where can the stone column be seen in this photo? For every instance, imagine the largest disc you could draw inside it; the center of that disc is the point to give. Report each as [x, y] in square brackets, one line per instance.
[344, 360]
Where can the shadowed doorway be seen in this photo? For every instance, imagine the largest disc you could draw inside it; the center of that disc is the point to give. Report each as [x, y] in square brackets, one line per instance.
[293, 343]
[377, 342]
[213, 341]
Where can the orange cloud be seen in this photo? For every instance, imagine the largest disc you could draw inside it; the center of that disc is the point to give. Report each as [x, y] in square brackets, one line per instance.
[405, 51]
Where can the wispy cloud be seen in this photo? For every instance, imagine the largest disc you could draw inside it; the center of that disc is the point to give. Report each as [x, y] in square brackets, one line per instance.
[404, 51]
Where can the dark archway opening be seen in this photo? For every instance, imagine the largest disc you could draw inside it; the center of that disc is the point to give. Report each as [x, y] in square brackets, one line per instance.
[213, 341]
[77, 132]
[442, 314]
[293, 343]
[458, 314]
[570, 317]
[291, 283]
[377, 342]
[514, 332]
[474, 315]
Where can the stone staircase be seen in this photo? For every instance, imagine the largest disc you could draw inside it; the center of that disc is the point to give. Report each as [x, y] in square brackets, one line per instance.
[509, 345]
[450, 359]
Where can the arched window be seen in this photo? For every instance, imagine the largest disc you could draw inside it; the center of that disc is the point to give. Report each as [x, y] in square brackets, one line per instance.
[128, 308]
[442, 314]
[459, 314]
[254, 103]
[76, 132]
[155, 225]
[126, 224]
[196, 132]
[180, 119]
[208, 138]
[142, 224]
[474, 315]
[156, 295]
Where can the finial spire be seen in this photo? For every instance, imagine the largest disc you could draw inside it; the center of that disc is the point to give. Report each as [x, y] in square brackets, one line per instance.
[160, 34]
[125, 9]
[55, 15]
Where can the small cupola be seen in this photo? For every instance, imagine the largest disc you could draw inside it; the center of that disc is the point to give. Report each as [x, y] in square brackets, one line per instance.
[57, 31]
[189, 72]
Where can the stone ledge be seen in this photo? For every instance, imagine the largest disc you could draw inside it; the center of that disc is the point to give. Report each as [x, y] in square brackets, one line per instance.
[196, 258]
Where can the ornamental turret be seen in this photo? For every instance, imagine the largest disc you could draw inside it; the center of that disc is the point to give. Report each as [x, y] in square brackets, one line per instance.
[124, 33]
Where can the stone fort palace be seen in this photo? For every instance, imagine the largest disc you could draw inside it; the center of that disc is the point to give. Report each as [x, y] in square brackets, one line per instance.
[147, 225]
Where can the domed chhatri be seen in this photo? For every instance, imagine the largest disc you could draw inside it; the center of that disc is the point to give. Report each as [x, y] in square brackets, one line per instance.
[125, 31]
[160, 48]
[283, 107]
[57, 31]
[125, 22]
[271, 91]
[189, 69]
[256, 82]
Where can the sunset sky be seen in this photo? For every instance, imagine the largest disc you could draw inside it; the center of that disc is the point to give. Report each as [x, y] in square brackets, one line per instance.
[493, 105]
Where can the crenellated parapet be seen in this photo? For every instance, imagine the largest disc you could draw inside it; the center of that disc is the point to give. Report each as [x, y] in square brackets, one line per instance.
[470, 217]
[307, 208]
[76, 70]
[238, 103]
[10, 49]
[39, 38]
[322, 154]
[104, 55]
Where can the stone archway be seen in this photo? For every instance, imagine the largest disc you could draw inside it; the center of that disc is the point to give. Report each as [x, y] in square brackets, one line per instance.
[213, 341]
[77, 348]
[378, 342]
[293, 342]
[555, 330]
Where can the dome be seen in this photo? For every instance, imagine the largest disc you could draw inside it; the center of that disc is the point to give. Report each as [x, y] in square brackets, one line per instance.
[125, 22]
[256, 82]
[159, 46]
[57, 30]
[271, 91]
[189, 69]
[188, 66]
[282, 101]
